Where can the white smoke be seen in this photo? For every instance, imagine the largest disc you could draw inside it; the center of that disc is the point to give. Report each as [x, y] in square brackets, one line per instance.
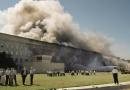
[47, 21]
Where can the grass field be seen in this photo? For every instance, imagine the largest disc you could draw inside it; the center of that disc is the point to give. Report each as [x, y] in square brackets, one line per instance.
[43, 82]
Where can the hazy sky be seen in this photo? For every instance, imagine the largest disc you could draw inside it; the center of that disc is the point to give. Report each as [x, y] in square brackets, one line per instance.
[109, 17]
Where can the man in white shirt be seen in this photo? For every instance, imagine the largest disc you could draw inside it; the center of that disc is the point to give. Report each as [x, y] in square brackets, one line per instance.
[7, 73]
[1, 72]
[3, 78]
[15, 77]
[31, 75]
[14, 73]
[115, 75]
[11, 77]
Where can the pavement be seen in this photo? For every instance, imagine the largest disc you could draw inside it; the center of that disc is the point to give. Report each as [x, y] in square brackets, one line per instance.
[111, 86]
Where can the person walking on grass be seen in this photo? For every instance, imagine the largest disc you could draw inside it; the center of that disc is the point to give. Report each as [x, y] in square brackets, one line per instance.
[115, 75]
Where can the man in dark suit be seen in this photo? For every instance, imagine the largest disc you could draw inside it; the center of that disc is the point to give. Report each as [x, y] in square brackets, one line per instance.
[24, 74]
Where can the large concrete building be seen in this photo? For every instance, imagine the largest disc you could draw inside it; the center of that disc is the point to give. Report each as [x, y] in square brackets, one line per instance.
[22, 50]
[43, 64]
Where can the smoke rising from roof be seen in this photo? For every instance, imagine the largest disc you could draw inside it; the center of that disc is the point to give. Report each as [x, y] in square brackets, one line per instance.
[47, 21]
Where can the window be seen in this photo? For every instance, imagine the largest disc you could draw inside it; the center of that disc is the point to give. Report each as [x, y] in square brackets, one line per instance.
[26, 60]
[7, 52]
[21, 60]
[39, 58]
[16, 60]
[2, 46]
[16, 53]
[11, 52]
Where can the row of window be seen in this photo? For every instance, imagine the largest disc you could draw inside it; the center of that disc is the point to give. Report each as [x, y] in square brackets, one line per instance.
[14, 51]
[20, 60]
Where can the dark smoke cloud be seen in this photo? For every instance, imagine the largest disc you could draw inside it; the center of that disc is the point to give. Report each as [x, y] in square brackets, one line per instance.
[47, 21]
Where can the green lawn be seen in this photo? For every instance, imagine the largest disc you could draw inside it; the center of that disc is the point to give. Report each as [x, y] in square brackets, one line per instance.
[42, 82]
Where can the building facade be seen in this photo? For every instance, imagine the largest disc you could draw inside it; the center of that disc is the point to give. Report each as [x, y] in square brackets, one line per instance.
[22, 50]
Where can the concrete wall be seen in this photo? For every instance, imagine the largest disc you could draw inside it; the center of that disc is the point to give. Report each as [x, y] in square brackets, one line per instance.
[43, 67]
[23, 49]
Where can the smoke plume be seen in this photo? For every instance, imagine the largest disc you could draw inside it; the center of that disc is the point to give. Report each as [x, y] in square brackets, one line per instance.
[47, 21]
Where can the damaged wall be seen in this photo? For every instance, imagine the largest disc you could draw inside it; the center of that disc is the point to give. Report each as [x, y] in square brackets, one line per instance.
[23, 49]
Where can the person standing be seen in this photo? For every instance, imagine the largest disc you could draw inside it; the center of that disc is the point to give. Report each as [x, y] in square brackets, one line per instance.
[94, 72]
[7, 73]
[1, 72]
[3, 78]
[11, 77]
[15, 78]
[24, 75]
[115, 75]
[31, 75]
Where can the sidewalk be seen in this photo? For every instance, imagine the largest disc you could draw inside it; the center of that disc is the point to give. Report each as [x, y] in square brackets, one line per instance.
[95, 86]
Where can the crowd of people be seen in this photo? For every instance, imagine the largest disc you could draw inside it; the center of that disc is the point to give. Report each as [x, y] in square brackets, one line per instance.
[8, 77]
[72, 73]
[83, 72]
[55, 73]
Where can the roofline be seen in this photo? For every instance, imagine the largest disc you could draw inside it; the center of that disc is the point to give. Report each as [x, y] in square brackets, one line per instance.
[49, 43]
